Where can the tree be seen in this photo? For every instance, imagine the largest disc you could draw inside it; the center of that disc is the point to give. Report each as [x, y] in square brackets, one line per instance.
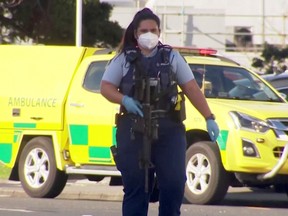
[52, 22]
[274, 59]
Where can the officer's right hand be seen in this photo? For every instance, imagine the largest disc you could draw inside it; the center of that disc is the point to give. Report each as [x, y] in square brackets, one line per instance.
[132, 106]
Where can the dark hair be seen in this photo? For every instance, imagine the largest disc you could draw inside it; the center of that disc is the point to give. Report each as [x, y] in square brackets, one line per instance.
[128, 39]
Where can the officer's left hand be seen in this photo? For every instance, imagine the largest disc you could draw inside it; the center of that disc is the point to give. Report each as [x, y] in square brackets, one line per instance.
[213, 129]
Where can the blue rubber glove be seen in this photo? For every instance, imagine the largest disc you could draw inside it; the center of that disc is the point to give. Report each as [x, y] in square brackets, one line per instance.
[213, 129]
[132, 106]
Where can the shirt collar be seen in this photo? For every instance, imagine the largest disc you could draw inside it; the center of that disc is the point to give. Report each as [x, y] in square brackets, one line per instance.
[153, 52]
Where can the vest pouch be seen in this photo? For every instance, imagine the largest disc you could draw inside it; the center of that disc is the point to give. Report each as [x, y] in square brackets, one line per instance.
[138, 124]
[139, 89]
[155, 88]
[178, 111]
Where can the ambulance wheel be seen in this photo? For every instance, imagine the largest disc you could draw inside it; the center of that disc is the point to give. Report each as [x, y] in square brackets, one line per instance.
[207, 181]
[38, 173]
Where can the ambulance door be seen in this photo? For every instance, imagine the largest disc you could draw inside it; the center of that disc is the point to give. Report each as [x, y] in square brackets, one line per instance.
[90, 117]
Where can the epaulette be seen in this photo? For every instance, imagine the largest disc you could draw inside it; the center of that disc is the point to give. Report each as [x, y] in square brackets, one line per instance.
[165, 53]
[131, 54]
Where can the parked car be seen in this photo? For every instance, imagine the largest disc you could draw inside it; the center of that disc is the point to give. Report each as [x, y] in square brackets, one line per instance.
[278, 81]
[54, 122]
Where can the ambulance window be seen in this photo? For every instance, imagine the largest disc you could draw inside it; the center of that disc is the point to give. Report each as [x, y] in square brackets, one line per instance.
[94, 75]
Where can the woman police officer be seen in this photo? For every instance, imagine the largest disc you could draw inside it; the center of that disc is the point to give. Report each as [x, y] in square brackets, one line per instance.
[168, 151]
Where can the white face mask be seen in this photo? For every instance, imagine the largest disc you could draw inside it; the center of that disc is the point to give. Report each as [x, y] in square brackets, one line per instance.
[148, 40]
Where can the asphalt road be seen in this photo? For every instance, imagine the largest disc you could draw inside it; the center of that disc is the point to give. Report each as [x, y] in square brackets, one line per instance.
[84, 198]
[21, 206]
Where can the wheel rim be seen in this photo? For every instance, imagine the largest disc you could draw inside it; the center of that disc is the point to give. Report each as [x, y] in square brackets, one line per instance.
[198, 172]
[36, 168]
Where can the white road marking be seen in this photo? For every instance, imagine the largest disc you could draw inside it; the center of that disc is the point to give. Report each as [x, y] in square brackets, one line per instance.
[15, 210]
[261, 208]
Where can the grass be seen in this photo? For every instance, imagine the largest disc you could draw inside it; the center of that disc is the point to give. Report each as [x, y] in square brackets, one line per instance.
[4, 172]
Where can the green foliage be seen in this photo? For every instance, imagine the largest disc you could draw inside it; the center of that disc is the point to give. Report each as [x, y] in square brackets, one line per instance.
[274, 59]
[106, 32]
[52, 22]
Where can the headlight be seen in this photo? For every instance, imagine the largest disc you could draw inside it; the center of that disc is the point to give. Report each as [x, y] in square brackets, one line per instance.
[246, 122]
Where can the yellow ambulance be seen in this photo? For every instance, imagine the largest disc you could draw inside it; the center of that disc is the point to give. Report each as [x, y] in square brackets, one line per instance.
[55, 123]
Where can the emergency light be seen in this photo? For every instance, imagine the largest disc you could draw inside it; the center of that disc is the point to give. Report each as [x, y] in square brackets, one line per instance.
[199, 51]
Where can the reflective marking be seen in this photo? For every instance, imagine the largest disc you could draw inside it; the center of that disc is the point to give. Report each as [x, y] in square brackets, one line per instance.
[6, 152]
[79, 134]
[16, 210]
[24, 125]
[222, 139]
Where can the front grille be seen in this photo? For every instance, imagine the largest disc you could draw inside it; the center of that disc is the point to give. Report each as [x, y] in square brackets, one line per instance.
[280, 127]
[278, 151]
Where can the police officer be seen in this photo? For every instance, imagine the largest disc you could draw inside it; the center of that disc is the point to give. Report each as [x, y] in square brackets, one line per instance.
[168, 151]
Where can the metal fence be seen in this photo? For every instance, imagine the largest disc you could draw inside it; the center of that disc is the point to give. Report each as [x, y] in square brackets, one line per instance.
[233, 32]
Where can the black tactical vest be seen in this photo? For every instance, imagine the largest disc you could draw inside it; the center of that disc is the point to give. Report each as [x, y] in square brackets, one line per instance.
[158, 69]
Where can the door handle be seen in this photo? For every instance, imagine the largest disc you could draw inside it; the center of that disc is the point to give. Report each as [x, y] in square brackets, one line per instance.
[77, 104]
[37, 118]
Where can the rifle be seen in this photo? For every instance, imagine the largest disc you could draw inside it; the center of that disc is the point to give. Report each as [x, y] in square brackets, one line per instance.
[148, 125]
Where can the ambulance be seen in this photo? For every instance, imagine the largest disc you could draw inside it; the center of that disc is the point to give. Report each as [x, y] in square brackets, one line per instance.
[54, 123]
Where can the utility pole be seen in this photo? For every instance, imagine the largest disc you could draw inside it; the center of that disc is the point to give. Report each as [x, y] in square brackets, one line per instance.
[263, 22]
[78, 23]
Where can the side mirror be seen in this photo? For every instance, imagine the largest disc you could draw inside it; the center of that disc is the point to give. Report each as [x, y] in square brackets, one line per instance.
[283, 95]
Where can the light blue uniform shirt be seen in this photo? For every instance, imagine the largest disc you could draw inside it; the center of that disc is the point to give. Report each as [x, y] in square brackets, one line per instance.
[118, 68]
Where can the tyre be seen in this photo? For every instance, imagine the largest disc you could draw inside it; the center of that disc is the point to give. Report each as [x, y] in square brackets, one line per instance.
[281, 188]
[207, 181]
[95, 178]
[38, 173]
[286, 190]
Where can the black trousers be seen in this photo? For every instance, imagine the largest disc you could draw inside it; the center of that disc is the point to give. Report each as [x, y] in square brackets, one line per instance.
[168, 157]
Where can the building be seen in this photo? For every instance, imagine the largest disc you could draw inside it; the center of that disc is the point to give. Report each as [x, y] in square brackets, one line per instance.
[227, 25]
